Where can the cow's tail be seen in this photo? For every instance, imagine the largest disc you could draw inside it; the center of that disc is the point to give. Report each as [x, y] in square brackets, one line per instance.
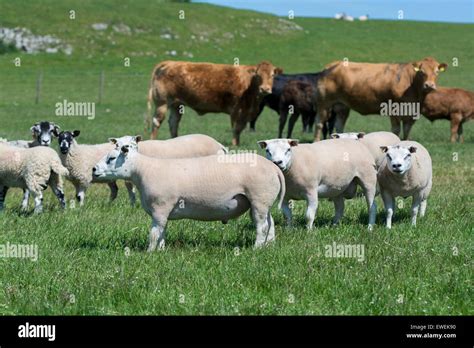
[281, 195]
[151, 96]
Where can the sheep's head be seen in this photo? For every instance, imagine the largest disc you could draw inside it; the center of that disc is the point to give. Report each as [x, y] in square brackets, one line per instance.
[352, 135]
[279, 151]
[116, 164]
[66, 139]
[44, 131]
[399, 158]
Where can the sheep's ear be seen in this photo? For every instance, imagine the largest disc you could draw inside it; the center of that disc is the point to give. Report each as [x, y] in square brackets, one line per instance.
[124, 149]
[76, 133]
[262, 144]
[335, 136]
[384, 148]
[360, 135]
[412, 149]
[113, 141]
[138, 138]
[293, 142]
[55, 130]
[34, 128]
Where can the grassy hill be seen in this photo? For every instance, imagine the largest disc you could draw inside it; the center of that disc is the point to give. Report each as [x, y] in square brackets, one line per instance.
[213, 265]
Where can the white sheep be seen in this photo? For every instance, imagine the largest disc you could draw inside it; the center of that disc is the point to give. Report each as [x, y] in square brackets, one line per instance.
[32, 169]
[326, 169]
[373, 141]
[405, 171]
[211, 188]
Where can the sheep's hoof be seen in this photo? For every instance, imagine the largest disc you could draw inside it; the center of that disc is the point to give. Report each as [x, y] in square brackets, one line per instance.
[225, 222]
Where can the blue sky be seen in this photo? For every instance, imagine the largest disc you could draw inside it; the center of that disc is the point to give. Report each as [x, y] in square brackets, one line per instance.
[458, 11]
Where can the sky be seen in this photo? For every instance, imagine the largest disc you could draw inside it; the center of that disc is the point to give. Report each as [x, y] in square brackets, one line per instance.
[456, 11]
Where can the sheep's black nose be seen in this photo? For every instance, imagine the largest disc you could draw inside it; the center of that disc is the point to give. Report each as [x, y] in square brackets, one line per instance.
[93, 170]
[278, 162]
[396, 165]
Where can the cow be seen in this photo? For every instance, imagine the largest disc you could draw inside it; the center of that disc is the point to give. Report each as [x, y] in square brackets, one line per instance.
[365, 87]
[454, 104]
[206, 87]
[290, 94]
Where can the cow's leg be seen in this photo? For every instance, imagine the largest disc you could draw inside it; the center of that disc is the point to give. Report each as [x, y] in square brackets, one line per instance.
[283, 116]
[455, 122]
[342, 114]
[254, 120]
[395, 121]
[460, 136]
[175, 118]
[311, 119]
[321, 117]
[3, 194]
[305, 121]
[239, 126]
[407, 124]
[291, 123]
[158, 118]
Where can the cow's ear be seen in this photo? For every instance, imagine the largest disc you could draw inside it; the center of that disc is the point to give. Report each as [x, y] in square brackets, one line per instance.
[262, 144]
[360, 135]
[293, 142]
[278, 71]
[113, 141]
[138, 138]
[384, 148]
[442, 67]
[412, 149]
[76, 133]
[416, 66]
[335, 136]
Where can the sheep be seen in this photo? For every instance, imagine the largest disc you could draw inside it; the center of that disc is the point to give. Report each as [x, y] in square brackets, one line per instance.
[405, 171]
[33, 169]
[373, 141]
[211, 188]
[42, 133]
[80, 159]
[326, 169]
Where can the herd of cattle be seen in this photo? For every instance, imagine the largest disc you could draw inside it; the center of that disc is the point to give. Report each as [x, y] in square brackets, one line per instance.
[327, 96]
[195, 177]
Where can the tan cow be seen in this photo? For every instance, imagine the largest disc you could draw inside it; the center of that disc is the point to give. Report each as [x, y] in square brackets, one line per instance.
[454, 104]
[207, 87]
[365, 87]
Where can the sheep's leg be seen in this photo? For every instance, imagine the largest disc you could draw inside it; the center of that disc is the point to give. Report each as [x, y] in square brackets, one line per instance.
[56, 183]
[3, 194]
[131, 192]
[414, 209]
[26, 198]
[80, 194]
[291, 123]
[339, 208]
[388, 202]
[271, 228]
[157, 233]
[38, 196]
[369, 186]
[260, 218]
[423, 207]
[285, 207]
[312, 208]
[113, 190]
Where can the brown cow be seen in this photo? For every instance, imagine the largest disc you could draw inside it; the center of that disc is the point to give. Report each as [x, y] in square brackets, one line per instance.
[365, 87]
[454, 104]
[207, 87]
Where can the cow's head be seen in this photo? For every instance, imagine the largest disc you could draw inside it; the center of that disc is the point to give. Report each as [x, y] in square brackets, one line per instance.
[44, 131]
[264, 73]
[428, 70]
[66, 139]
[279, 151]
[398, 158]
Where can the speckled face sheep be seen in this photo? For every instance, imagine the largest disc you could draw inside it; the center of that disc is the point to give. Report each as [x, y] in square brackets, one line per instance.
[326, 169]
[405, 171]
[212, 188]
[33, 169]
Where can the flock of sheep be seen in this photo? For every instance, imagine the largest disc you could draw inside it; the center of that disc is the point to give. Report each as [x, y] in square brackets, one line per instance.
[194, 176]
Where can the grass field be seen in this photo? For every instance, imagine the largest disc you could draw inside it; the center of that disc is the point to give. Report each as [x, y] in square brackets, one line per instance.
[84, 266]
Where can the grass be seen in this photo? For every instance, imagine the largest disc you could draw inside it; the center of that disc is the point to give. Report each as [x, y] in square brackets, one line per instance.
[210, 268]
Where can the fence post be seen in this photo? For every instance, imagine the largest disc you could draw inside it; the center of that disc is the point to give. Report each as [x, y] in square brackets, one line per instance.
[39, 82]
[101, 86]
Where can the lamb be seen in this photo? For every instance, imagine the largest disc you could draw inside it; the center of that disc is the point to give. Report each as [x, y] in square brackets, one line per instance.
[80, 159]
[326, 169]
[405, 171]
[373, 141]
[32, 169]
[211, 188]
